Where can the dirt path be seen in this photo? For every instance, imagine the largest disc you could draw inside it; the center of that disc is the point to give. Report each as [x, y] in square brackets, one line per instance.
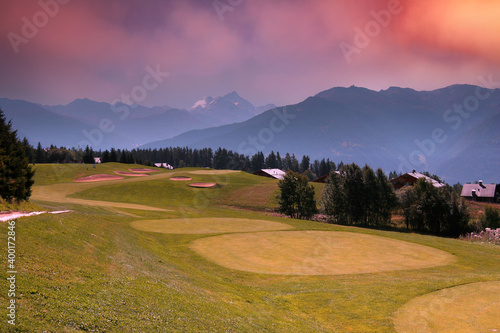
[60, 192]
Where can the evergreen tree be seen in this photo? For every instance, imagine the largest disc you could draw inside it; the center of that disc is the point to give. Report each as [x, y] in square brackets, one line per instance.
[296, 198]
[88, 155]
[106, 156]
[294, 164]
[387, 199]
[279, 160]
[324, 168]
[113, 156]
[271, 161]
[16, 175]
[40, 154]
[304, 165]
[359, 196]
[29, 150]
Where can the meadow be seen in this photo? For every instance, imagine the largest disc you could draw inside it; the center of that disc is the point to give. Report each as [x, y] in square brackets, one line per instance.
[151, 254]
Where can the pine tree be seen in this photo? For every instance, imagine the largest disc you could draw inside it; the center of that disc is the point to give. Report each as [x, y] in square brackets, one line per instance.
[88, 155]
[304, 165]
[113, 156]
[40, 154]
[16, 175]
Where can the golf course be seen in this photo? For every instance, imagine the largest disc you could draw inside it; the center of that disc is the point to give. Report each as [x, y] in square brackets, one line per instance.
[140, 249]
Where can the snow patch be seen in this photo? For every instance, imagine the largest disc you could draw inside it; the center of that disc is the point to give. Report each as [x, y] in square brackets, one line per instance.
[16, 215]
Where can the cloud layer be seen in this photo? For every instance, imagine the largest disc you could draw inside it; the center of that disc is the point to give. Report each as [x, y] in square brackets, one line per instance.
[279, 51]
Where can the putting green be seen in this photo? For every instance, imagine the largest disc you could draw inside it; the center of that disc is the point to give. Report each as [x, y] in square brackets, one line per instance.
[317, 253]
[207, 225]
[473, 307]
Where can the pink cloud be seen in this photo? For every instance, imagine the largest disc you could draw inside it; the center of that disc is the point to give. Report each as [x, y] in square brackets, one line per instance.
[282, 49]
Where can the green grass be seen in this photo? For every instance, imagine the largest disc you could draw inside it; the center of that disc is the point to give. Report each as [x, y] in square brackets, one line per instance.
[207, 225]
[48, 174]
[317, 253]
[90, 270]
[23, 206]
[475, 307]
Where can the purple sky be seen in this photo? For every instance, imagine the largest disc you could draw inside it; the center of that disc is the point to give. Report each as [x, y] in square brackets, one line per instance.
[269, 51]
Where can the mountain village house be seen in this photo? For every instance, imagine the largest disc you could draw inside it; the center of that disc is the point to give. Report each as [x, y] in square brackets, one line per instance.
[271, 173]
[410, 178]
[481, 192]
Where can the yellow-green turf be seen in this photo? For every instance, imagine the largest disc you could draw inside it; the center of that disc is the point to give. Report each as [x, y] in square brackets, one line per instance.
[213, 172]
[470, 308]
[207, 225]
[89, 270]
[317, 253]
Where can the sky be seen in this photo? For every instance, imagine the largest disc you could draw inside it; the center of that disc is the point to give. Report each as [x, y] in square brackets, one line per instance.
[160, 52]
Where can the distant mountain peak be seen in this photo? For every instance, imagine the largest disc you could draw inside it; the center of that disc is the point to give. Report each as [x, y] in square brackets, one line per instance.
[202, 104]
[232, 94]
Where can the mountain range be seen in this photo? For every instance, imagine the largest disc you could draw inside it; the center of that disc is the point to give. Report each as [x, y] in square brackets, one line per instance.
[102, 125]
[453, 132]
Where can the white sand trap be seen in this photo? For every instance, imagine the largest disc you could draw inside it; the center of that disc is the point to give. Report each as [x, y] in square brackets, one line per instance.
[207, 225]
[213, 172]
[202, 185]
[470, 308]
[317, 253]
[97, 178]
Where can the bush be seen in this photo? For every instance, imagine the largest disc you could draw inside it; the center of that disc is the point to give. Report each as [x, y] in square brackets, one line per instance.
[491, 218]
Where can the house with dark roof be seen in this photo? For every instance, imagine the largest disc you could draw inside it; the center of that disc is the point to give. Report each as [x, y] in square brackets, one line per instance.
[481, 192]
[324, 178]
[410, 178]
[271, 173]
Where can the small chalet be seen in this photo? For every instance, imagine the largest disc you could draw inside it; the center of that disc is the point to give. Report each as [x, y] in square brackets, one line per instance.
[323, 179]
[271, 173]
[410, 178]
[481, 192]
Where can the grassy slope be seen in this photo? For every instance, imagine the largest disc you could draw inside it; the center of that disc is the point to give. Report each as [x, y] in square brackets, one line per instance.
[90, 270]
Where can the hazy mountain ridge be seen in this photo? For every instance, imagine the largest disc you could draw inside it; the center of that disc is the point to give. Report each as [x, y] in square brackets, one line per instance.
[392, 129]
[103, 125]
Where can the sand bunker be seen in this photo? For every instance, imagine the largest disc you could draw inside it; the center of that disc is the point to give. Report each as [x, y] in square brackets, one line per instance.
[180, 178]
[317, 253]
[207, 225]
[213, 172]
[131, 174]
[141, 170]
[97, 178]
[202, 185]
[468, 308]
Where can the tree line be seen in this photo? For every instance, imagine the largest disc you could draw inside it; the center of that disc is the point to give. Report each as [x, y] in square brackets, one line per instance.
[363, 197]
[179, 157]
